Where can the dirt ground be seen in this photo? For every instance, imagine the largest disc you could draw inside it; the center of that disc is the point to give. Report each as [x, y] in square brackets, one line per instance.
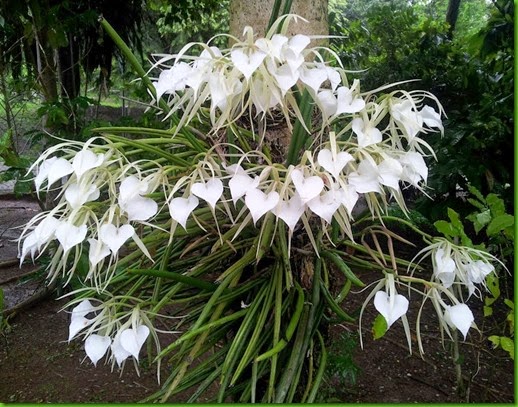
[38, 365]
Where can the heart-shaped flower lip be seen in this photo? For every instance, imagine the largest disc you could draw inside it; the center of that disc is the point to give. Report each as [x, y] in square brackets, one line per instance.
[459, 316]
[240, 184]
[70, 235]
[181, 208]
[333, 165]
[307, 188]
[132, 339]
[210, 191]
[114, 237]
[326, 205]
[391, 308]
[96, 346]
[98, 251]
[290, 211]
[247, 64]
[258, 203]
[85, 160]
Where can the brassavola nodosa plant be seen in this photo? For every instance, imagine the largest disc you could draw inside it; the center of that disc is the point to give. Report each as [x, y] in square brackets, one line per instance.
[207, 245]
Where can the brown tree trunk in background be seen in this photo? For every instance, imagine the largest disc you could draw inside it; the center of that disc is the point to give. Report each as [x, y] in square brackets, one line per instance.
[452, 14]
[256, 13]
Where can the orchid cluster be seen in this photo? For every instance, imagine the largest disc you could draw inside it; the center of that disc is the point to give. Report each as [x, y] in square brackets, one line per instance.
[106, 331]
[120, 201]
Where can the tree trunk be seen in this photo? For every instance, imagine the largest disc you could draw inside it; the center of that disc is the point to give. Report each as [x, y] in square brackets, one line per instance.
[452, 14]
[256, 13]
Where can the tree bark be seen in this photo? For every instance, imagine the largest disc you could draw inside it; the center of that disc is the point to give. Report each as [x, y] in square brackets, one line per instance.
[256, 14]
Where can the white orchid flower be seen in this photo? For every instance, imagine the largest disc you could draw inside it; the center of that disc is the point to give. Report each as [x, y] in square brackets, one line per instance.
[181, 208]
[70, 235]
[79, 194]
[460, 317]
[348, 100]
[389, 303]
[443, 266]
[366, 178]
[307, 187]
[290, 211]
[96, 347]
[98, 251]
[114, 237]
[78, 320]
[241, 182]
[431, 118]
[133, 203]
[390, 172]
[415, 169]
[173, 79]
[42, 234]
[410, 121]
[51, 170]
[259, 203]
[209, 191]
[132, 339]
[366, 132]
[326, 204]
[86, 160]
[333, 163]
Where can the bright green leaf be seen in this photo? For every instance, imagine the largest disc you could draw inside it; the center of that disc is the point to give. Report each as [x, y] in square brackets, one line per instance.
[500, 223]
[496, 204]
[488, 311]
[495, 340]
[507, 344]
[379, 327]
[446, 228]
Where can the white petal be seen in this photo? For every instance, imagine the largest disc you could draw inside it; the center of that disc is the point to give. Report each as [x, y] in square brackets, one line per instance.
[132, 340]
[210, 191]
[430, 117]
[349, 198]
[59, 169]
[97, 252]
[247, 64]
[347, 102]
[365, 132]
[43, 172]
[390, 172]
[325, 205]
[240, 184]
[76, 325]
[313, 78]
[140, 208]
[459, 316]
[307, 188]
[77, 195]
[328, 103]
[181, 208]
[118, 351]
[130, 188]
[115, 237]
[69, 235]
[85, 160]
[391, 308]
[365, 178]
[333, 165]
[285, 78]
[291, 211]
[96, 346]
[258, 203]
